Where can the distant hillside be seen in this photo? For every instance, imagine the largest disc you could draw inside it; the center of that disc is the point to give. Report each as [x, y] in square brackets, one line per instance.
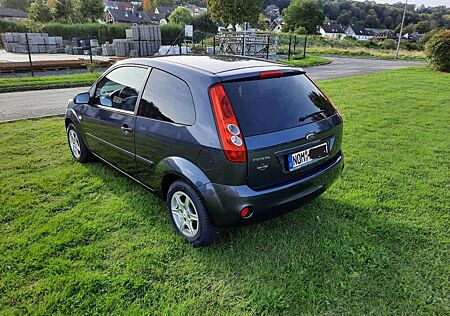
[375, 15]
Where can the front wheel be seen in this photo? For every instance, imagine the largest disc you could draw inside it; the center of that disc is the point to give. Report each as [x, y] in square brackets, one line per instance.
[77, 147]
[188, 215]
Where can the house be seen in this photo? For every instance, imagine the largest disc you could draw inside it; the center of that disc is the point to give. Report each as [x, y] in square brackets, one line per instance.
[332, 30]
[166, 11]
[131, 16]
[12, 14]
[359, 32]
[414, 36]
[386, 34]
[195, 10]
[277, 24]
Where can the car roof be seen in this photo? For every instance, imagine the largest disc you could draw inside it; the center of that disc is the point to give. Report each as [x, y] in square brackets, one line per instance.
[213, 64]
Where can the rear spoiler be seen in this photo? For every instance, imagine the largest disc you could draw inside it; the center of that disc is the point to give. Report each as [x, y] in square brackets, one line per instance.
[257, 73]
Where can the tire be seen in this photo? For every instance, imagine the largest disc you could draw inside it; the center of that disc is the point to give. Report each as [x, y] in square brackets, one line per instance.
[197, 230]
[76, 145]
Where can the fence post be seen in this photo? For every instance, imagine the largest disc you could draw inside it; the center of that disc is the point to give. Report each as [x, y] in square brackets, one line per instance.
[180, 48]
[268, 46]
[214, 45]
[304, 48]
[295, 42]
[29, 54]
[139, 41]
[90, 49]
[243, 45]
[289, 50]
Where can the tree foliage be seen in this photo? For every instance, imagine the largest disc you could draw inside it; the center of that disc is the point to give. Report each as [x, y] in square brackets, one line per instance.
[438, 50]
[147, 5]
[40, 12]
[90, 10]
[303, 13]
[181, 15]
[16, 4]
[63, 10]
[379, 15]
[235, 11]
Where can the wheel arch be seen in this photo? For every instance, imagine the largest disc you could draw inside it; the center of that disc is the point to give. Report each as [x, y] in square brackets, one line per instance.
[172, 169]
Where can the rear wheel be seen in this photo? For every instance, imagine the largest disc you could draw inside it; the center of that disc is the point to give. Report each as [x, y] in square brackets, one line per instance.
[77, 147]
[188, 215]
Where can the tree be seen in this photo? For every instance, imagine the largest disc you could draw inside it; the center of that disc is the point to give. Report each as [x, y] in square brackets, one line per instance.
[344, 18]
[147, 5]
[63, 10]
[181, 15]
[438, 50]
[39, 12]
[304, 13]
[90, 10]
[235, 11]
[203, 23]
[423, 27]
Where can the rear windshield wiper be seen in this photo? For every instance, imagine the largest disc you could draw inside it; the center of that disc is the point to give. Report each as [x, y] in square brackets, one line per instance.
[302, 118]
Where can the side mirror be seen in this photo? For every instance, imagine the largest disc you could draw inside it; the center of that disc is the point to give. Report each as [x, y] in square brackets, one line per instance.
[82, 98]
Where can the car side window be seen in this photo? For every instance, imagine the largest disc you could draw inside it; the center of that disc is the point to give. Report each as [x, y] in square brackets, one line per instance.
[120, 88]
[167, 98]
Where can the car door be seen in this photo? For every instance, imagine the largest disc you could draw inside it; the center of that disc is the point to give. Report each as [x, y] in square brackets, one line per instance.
[109, 121]
[163, 121]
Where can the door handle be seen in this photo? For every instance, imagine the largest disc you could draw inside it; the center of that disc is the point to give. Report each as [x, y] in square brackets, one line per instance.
[125, 129]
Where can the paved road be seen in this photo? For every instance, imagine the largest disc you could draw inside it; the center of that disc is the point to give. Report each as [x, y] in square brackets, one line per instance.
[32, 104]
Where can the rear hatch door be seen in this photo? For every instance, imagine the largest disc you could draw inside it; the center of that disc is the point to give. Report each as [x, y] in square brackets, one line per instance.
[289, 126]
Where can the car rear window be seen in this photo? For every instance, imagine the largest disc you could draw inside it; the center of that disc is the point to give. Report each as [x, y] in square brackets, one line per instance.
[270, 105]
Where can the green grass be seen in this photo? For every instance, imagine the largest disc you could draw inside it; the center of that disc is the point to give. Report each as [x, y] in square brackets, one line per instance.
[83, 239]
[306, 62]
[367, 52]
[46, 82]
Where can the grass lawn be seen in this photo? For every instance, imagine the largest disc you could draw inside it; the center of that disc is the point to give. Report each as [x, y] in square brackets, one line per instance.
[36, 83]
[367, 52]
[308, 61]
[83, 239]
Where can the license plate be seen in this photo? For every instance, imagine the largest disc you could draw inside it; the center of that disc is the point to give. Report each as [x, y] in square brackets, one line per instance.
[298, 159]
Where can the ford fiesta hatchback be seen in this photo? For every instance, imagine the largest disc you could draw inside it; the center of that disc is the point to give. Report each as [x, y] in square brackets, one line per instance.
[224, 140]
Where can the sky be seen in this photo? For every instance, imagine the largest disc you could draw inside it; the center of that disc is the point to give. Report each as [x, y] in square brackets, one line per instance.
[431, 3]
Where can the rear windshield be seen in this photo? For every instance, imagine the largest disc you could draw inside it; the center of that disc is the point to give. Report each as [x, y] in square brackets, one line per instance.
[269, 105]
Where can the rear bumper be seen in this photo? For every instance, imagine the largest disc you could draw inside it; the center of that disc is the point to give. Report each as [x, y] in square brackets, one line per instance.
[225, 202]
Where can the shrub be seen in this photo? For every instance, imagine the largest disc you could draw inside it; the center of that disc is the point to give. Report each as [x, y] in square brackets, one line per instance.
[437, 50]
[172, 33]
[388, 44]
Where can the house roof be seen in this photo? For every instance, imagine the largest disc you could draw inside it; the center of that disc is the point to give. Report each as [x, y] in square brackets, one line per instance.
[361, 30]
[165, 10]
[129, 16]
[16, 13]
[333, 28]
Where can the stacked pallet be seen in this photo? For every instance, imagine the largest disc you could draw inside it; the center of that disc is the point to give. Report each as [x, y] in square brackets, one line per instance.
[141, 40]
[38, 43]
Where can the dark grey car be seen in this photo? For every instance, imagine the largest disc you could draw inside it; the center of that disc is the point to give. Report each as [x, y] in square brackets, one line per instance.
[224, 140]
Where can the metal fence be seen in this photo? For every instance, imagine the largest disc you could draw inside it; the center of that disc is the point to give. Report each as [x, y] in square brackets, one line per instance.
[25, 54]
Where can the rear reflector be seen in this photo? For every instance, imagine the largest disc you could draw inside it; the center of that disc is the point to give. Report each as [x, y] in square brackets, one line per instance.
[246, 212]
[227, 126]
[270, 74]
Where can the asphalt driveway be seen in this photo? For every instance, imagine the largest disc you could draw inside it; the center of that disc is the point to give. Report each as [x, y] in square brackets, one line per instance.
[34, 104]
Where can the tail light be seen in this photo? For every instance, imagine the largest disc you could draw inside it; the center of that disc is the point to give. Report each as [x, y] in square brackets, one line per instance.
[227, 126]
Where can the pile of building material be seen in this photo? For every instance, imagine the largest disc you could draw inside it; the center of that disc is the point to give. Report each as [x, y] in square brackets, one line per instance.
[141, 40]
[38, 43]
